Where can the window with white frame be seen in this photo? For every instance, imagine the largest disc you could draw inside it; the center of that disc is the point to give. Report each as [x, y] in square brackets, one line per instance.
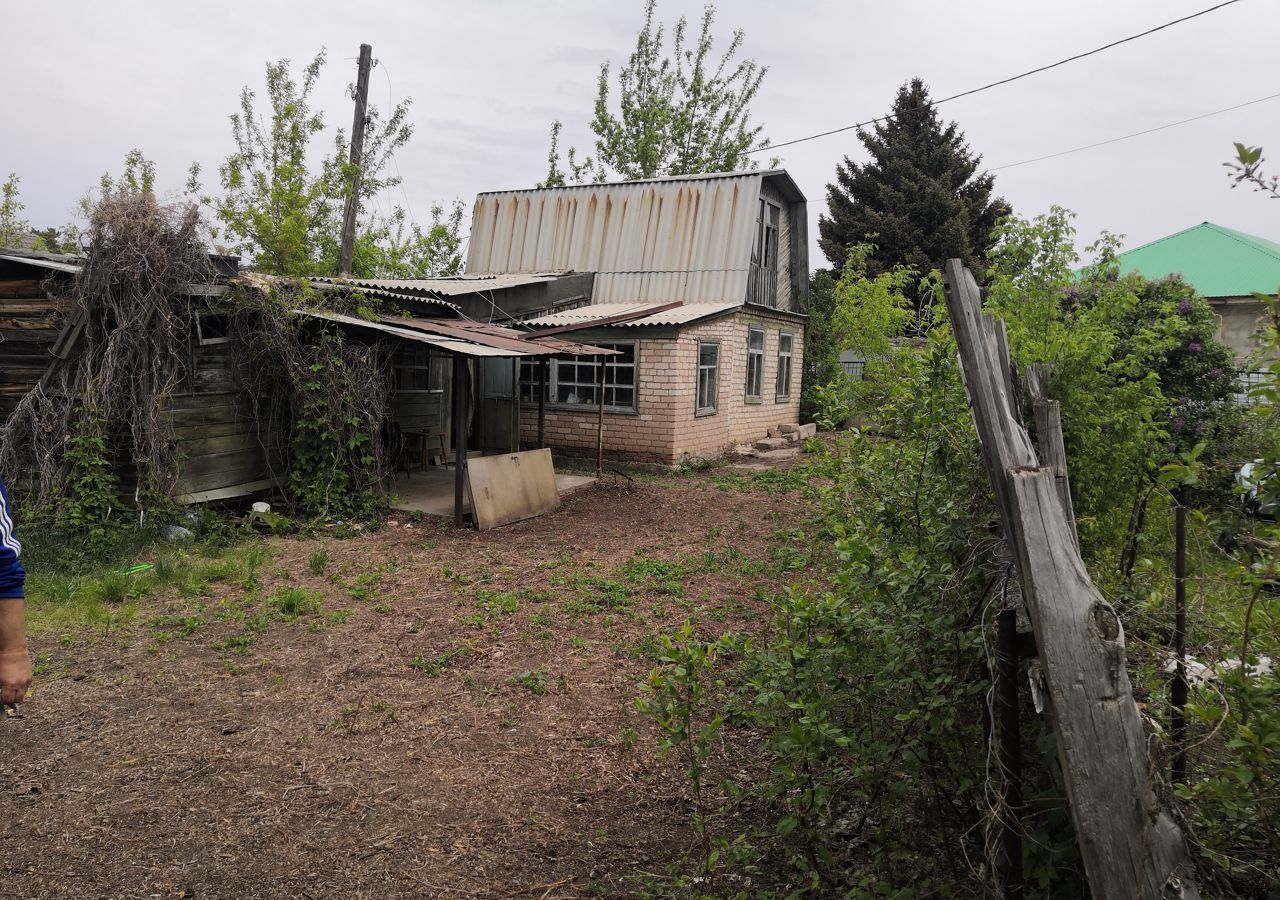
[755, 363]
[786, 346]
[708, 378]
[573, 380]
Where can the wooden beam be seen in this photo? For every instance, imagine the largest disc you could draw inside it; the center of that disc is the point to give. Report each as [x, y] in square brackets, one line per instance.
[1131, 847]
[600, 420]
[461, 407]
[542, 402]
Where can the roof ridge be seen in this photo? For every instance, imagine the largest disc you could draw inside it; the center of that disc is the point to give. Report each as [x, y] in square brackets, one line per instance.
[1167, 237]
[1239, 237]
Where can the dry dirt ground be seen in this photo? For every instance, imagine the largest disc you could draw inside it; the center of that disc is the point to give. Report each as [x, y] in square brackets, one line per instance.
[456, 718]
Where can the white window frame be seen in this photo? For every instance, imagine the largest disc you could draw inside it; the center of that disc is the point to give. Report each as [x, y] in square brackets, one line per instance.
[783, 392]
[700, 408]
[553, 385]
[758, 395]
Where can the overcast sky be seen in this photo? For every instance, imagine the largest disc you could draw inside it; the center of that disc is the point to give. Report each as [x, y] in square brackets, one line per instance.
[87, 81]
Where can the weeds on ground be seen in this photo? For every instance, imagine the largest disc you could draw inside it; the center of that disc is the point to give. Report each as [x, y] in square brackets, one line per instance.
[433, 666]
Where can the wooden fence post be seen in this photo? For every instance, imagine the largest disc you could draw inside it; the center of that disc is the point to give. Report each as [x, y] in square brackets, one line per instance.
[1131, 847]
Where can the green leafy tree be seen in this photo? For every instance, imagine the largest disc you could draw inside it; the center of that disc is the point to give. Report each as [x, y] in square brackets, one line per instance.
[286, 215]
[822, 358]
[920, 195]
[13, 228]
[681, 114]
[1134, 362]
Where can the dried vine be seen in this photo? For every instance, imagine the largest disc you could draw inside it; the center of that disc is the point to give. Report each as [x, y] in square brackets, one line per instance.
[106, 401]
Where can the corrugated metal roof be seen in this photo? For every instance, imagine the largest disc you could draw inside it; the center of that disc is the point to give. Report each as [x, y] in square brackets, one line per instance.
[42, 263]
[446, 287]
[680, 315]
[1216, 261]
[497, 336]
[464, 338]
[464, 348]
[326, 284]
[687, 238]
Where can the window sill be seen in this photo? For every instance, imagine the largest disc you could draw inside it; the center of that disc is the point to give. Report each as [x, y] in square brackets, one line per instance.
[703, 413]
[782, 398]
[755, 401]
[589, 408]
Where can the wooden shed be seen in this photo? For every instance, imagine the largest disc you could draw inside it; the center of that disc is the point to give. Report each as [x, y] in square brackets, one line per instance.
[31, 317]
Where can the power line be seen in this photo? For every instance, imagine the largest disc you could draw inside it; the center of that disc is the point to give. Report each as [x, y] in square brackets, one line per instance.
[1011, 78]
[1216, 112]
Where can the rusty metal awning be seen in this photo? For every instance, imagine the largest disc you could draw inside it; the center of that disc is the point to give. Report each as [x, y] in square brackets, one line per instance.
[498, 336]
[461, 337]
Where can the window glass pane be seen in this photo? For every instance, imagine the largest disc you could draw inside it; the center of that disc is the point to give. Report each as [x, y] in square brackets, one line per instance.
[576, 378]
[755, 339]
[708, 354]
[784, 343]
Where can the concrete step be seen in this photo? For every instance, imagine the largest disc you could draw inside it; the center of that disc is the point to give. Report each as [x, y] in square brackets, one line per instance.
[770, 443]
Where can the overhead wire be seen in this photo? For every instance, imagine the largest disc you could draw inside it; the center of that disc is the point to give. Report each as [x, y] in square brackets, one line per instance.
[1125, 137]
[1003, 81]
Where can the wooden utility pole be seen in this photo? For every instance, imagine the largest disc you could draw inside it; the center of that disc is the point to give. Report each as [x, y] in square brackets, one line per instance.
[1131, 846]
[357, 155]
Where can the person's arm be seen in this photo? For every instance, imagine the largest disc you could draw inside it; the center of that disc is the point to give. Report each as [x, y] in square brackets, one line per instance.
[15, 661]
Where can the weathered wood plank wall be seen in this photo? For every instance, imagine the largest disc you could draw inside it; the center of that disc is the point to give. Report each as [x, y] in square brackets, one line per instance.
[30, 321]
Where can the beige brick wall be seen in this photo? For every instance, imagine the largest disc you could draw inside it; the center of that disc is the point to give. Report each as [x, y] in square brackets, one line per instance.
[666, 429]
[646, 435]
[736, 420]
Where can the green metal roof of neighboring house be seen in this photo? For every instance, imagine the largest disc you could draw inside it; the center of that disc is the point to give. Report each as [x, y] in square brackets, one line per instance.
[1216, 261]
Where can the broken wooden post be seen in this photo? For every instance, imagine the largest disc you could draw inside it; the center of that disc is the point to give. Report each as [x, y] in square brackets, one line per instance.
[1131, 847]
[1010, 731]
[1053, 453]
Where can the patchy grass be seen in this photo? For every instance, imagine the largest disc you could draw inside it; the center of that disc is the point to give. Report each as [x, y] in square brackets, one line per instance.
[490, 676]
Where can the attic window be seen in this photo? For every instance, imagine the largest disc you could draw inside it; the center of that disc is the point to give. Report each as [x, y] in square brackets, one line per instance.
[763, 285]
[212, 328]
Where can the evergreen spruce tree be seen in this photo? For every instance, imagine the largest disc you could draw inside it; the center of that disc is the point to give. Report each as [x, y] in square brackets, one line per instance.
[919, 195]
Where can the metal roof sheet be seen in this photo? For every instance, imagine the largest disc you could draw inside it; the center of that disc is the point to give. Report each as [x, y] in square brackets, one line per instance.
[42, 263]
[498, 336]
[686, 238]
[1216, 261]
[327, 284]
[463, 348]
[446, 287]
[680, 315]
[463, 337]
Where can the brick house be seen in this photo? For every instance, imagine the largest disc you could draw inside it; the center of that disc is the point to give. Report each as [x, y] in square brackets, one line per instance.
[700, 283]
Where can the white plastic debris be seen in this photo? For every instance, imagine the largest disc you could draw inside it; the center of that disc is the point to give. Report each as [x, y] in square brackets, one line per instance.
[261, 507]
[1199, 674]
